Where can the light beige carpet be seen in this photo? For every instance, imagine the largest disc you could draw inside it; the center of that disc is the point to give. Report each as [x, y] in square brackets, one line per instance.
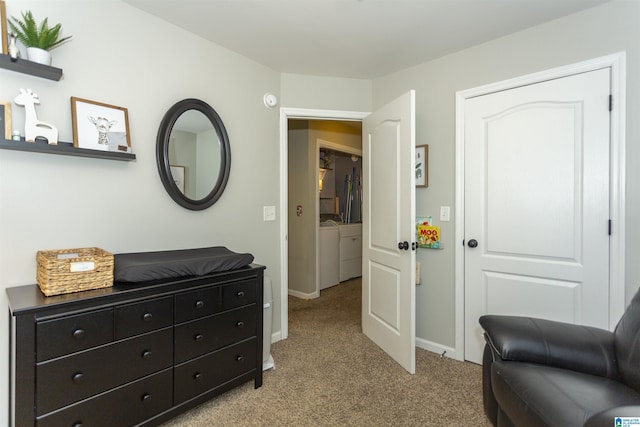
[329, 374]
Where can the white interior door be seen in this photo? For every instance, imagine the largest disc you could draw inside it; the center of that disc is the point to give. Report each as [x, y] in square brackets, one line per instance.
[537, 203]
[388, 257]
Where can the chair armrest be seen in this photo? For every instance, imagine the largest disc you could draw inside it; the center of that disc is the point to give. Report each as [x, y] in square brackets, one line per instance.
[606, 418]
[563, 345]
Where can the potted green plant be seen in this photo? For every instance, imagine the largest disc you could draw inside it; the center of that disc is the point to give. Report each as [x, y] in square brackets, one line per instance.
[37, 38]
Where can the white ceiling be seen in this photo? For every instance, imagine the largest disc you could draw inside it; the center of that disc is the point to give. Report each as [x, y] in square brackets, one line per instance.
[354, 38]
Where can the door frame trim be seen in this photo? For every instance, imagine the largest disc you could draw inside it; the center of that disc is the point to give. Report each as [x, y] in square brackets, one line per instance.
[617, 63]
[286, 114]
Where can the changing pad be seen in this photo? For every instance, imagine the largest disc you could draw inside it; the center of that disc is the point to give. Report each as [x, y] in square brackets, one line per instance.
[145, 266]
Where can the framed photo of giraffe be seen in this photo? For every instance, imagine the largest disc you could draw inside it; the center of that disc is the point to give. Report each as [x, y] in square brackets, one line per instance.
[98, 126]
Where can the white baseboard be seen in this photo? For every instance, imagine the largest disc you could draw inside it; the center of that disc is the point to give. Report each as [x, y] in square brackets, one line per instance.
[302, 295]
[437, 348]
[276, 336]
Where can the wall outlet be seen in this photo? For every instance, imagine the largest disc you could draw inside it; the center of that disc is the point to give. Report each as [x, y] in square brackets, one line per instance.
[269, 213]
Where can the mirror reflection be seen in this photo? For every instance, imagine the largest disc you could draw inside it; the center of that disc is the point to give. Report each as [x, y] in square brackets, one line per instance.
[194, 154]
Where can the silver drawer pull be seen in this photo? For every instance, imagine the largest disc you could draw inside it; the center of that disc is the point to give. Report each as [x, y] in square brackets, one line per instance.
[198, 337]
[197, 376]
[240, 294]
[147, 317]
[77, 424]
[79, 334]
[240, 324]
[146, 355]
[199, 304]
[78, 377]
[239, 359]
[146, 398]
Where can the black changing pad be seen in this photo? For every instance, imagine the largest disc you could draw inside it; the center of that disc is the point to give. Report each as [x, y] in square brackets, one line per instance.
[145, 266]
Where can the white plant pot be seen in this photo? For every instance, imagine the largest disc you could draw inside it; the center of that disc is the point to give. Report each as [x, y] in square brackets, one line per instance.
[41, 56]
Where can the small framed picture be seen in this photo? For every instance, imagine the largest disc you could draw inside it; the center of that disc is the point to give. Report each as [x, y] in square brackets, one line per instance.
[422, 165]
[98, 126]
[3, 27]
[5, 120]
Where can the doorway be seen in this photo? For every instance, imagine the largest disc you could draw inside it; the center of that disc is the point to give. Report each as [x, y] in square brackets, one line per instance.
[589, 162]
[287, 114]
[321, 202]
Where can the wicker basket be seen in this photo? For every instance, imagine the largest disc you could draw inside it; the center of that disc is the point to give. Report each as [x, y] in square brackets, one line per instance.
[74, 270]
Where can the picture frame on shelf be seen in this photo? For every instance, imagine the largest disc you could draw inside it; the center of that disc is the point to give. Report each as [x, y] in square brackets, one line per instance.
[99, 126]
[422, 165]
[5, 119]
[3, 27]
[177, 173]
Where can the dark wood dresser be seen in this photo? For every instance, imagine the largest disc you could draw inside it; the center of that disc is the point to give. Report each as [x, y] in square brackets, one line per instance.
[133, 354]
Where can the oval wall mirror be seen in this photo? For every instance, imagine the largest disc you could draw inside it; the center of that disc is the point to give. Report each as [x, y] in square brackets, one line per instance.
[193, 154]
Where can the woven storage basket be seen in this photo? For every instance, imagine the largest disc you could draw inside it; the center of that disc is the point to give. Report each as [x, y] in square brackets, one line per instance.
[74, 270]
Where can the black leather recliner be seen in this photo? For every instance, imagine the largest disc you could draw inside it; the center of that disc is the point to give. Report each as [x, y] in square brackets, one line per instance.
[544, 373]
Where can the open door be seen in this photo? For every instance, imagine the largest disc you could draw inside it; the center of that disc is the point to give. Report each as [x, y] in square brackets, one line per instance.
[388, 232]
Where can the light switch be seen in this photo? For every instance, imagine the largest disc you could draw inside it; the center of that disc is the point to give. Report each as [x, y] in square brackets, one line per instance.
[269, 213]
[444, 213]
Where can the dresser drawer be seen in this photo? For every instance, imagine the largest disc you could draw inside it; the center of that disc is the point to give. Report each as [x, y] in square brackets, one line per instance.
[214, 369]
[238, 294]
[192, 305]
[145, 316]
[66, 380]
[69, 334]
[124, 406]
[201, 336]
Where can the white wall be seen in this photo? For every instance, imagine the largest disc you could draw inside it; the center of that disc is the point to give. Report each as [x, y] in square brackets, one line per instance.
[301, 233]
[183, 151]
[604, 30]
[124, 57]
[208, 155]
[325, 93]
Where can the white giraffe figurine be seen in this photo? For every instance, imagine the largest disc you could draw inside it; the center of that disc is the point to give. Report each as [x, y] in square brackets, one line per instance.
[34, 128]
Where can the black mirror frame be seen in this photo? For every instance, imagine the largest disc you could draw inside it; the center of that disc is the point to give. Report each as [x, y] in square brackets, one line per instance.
[162, 153]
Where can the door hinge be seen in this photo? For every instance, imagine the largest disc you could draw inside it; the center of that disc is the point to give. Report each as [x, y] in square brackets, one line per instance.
[609, 227]
[610, 102]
